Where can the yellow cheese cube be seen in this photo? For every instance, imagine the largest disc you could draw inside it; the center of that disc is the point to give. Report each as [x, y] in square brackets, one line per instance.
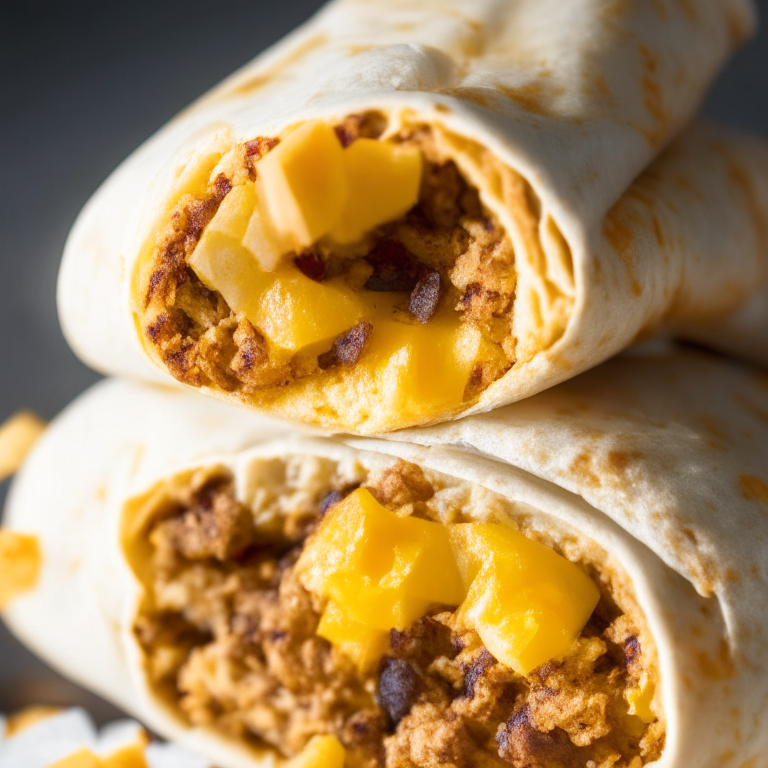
[320, 752]
[527, 603]
[640, 700]
[83, 758]
[303, 183]
[361, 643]
[381, 569]
[429, 365]
[383, 180]
[128, 757]
[297, 311]
[20, 561]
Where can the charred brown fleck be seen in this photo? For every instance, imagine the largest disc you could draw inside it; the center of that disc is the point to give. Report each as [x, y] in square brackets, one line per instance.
[348, 348]
[397, 689]
[311, 265]
[394, 268]
[425, 296]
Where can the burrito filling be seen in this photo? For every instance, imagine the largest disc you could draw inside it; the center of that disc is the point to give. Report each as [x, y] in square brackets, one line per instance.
[334, 253]
[390, 615]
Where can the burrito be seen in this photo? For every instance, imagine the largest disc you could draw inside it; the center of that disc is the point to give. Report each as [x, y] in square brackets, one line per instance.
[578, 580]
[410, 211]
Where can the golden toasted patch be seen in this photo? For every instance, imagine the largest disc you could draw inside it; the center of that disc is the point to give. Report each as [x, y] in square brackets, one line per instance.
[20, 560]
[27, 717]
[753, 488]
[17, 436]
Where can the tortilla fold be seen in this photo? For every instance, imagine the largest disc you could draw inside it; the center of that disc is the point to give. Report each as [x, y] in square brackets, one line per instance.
[540, 131]
[651, 468]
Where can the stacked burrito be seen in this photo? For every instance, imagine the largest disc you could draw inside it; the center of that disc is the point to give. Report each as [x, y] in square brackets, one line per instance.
[420, 233]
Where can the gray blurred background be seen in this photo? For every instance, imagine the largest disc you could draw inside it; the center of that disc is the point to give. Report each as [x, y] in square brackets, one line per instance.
[83, 84]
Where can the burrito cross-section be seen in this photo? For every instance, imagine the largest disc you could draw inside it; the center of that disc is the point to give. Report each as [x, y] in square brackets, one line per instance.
[576, 580]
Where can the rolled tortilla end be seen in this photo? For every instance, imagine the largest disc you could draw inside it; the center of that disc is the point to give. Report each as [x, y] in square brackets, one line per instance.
[556, 594]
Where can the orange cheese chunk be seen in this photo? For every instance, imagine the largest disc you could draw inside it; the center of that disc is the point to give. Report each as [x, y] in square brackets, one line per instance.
[359, 642]
[83, 758]
[296, 311]
[20, 561]
[320, 752]
[383, 570]
[527, 603]
[430, 364]
[303, 183]
[17, 436]
[383, 181]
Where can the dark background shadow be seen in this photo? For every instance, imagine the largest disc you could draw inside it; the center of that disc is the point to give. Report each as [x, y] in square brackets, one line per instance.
[83, 84]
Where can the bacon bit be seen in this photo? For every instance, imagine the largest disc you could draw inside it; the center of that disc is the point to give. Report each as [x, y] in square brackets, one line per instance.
[522, 745]
[425, 296]
[631, 649]
[394, 268]
[334, 497]
[344, 135]
[397, 689]
[258, 147]
[348, 347]
[311, 264]
[482, 662]
[222, 186]
[200, 213]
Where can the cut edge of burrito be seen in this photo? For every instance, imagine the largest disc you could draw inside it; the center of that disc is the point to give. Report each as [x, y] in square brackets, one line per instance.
[371, 271]
[338, 607]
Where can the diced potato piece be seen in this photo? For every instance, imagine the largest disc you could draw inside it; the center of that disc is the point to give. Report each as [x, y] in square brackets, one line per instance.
[383, 181]
[320, 752]
[262, 240]
[381, 569]
[20, 561]
[361, 643]
[297, 311]
[234, 213]
[303, 183]
[223, 264]
[83, 758]
[527, 603]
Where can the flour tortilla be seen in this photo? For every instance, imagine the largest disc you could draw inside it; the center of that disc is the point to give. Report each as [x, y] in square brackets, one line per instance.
[576, 99]
[660, 460]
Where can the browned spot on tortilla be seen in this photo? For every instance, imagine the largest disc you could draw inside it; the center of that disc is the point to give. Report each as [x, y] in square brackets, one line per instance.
[652, 96]
[445, 109]
[716, 437]
[732, 576]
[738, 27]
[528, 96]
[248, 86]
[583, 467]
[657, 231]
[618, 233]
[753, 488]
[660, 9]
[482, 97]
[742, 180]
[720, 667]
[618, 461]
[689, 9]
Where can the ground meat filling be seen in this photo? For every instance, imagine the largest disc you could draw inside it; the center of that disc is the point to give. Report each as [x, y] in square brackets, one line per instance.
[446, 251]
[229, 637]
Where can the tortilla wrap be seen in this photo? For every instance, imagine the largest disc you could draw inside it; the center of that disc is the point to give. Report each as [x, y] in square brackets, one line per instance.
[537, 249]
[651, 467]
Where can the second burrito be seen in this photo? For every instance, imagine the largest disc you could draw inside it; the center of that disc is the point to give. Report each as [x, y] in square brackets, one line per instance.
[582, 583]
